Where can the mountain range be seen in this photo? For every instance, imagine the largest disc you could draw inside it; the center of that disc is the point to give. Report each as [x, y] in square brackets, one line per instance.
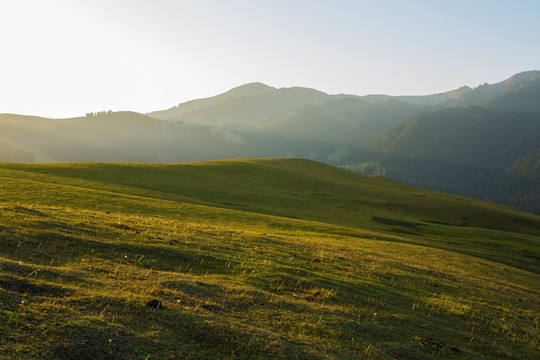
[482, 142]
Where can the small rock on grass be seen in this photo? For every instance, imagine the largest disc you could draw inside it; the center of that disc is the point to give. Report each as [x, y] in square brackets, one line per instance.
[156, 304]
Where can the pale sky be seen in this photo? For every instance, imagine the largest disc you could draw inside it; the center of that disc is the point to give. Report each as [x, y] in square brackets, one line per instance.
[62, 58]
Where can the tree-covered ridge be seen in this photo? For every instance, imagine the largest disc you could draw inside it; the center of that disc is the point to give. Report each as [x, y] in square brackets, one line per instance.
[472, 151]
[473, 135]
[526, 97]
[527, 166]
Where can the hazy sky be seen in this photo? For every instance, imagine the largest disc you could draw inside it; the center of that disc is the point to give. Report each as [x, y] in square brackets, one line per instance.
[64, 58]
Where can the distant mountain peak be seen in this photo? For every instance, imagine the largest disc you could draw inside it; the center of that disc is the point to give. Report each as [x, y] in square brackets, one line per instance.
[521, 77]
[254, 88]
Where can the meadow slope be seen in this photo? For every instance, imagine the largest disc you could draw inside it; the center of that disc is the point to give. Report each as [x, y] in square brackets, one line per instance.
[258, 259]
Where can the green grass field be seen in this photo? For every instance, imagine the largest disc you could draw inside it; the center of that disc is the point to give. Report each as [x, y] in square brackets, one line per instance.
[254, 259]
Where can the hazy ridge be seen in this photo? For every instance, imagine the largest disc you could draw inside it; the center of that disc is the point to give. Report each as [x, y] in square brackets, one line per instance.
[427, 142]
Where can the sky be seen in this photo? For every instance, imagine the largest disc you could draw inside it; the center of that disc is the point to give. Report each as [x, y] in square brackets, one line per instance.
[64, 58]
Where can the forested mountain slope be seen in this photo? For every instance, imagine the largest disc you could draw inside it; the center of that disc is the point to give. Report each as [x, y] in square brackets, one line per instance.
[473, 151]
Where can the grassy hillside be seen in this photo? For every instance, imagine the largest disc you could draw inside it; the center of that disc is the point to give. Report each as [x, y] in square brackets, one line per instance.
[258, 259]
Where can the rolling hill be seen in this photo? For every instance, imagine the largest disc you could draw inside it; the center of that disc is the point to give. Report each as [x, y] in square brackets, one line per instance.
[114, 136]
[252, 259]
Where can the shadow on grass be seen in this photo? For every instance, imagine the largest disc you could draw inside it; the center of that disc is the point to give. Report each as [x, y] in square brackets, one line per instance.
[32, 287]
[137, 332]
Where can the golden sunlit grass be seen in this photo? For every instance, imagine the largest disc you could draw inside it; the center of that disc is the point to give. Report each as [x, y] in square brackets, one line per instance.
[350, 276]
